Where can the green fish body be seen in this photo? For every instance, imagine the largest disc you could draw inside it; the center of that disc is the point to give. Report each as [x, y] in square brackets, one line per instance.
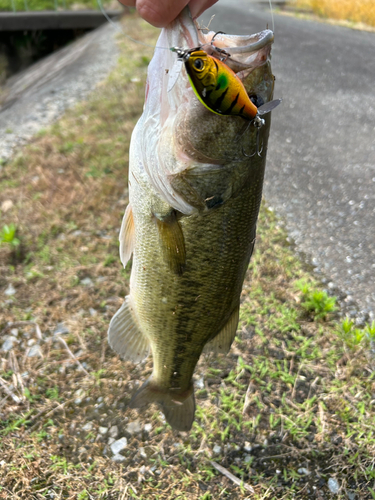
[190, 225]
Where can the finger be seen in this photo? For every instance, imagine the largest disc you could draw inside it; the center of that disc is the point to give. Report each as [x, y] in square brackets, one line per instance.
[161, 12]
[197, 7]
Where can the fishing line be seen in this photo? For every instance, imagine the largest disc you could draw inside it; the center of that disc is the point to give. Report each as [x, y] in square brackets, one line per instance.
[273, 22]
[120, 28]
[184, 56]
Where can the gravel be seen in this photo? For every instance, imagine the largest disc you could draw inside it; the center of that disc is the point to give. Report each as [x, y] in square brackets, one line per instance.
[304, 471]
[61, 329]
[10, 290]
[119, 445]
[333, 485]
[118, 458]
[133, 427]
[87, 282]
[113, 431]
[35, 351]
[9, 343]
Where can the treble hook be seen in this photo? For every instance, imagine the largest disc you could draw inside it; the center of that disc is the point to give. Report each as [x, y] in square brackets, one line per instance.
[224, 53]
[258, 122]
[259, 150]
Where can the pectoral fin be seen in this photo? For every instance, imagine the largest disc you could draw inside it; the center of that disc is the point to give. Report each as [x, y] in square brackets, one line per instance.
[172, 242]
[127, 235]
[223, 340]
[125, 336]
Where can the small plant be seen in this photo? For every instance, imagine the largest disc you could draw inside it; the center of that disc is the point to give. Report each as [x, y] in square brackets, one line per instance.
[53, 393]
[370, 331]
[317, 302]
[354, 336]
[8, 235]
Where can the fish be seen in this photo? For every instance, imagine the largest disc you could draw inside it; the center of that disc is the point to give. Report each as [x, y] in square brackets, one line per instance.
[195, 188]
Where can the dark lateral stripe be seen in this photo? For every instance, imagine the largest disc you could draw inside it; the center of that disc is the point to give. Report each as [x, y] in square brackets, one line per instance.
[240, 111]
[208, 93]
[219, 100]
[234, 102]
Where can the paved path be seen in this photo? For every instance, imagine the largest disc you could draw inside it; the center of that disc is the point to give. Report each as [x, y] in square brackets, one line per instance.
[321, 159]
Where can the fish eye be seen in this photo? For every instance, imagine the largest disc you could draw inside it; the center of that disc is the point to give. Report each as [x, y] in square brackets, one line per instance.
[198, 64]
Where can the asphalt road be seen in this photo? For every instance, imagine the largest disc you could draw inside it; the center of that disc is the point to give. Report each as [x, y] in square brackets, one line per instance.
[321, 158]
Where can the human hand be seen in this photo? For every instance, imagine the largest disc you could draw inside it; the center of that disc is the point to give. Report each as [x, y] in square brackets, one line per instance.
[162, 12]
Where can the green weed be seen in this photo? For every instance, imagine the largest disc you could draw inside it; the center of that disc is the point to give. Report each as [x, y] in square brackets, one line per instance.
[354, 336]
[61, 465]
[53, 393]
[8, 235]
[21, 5]
[316, 301]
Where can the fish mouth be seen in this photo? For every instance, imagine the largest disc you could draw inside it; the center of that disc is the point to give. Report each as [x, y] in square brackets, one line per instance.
[241, 52]
[240, 44]
[175, 130]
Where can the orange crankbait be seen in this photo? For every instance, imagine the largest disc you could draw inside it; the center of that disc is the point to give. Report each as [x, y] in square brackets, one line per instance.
[218, 87]
[220, 90]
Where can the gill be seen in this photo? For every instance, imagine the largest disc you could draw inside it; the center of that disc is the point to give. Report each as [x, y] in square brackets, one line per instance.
[249, 111]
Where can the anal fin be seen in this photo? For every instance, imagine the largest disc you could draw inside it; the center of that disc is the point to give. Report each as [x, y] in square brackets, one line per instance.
[126, 237]
[172, 242]
[125, 336]
[223, 340]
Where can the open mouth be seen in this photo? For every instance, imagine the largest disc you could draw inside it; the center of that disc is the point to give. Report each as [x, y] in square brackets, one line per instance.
[240, 53]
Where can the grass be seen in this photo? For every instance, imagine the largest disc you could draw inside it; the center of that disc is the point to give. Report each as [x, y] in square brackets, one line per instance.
[290, 407]
[24, 5]
[353, 11]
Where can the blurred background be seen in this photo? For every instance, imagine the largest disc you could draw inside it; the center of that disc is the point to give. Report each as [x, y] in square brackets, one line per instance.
[32, 29]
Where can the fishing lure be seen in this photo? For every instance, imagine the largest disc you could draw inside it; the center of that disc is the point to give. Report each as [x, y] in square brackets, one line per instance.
[218, 87]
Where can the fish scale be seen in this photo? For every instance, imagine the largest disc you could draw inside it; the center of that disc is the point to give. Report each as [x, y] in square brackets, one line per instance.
[194, 199]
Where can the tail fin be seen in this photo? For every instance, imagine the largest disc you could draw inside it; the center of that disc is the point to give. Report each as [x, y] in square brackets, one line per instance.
[178, 409]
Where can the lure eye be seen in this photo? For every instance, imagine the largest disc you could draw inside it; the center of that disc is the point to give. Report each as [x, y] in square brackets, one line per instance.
[198, 64]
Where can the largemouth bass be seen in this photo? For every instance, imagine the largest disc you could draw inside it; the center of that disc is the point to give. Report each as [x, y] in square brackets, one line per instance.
[195, 187]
